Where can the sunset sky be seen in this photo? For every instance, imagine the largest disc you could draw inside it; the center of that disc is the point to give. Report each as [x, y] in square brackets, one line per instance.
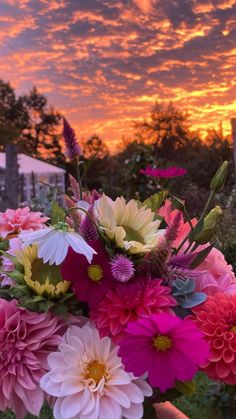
[103, 63]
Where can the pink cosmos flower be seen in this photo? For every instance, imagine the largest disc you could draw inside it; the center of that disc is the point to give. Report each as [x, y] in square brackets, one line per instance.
[166, 347]
[21, 219]
[26, 339]
[167, 173]
[129, 302]
[90, 282]
[88, 379]
[216, 317]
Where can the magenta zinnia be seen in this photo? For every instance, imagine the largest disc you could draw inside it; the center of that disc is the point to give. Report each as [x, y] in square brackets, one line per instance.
[166, 347]
[130, 302]
[26, 339]
[169, 172]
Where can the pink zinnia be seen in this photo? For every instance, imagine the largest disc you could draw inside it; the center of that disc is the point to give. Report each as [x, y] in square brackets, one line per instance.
[216, 317]
[90, 282]
[26, 339]
[166, 347]
[167, 173]
[21, 219]
[130, 302]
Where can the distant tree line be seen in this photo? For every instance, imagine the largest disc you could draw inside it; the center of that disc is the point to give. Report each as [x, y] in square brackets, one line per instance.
[28, 124]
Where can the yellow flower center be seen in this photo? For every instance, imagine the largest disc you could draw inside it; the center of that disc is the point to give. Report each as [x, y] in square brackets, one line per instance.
[233, 328]
[95, 371]
[95, 273]
[162, 343]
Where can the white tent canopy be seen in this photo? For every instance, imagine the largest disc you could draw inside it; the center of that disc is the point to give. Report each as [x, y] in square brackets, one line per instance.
[27, 165]
[34, 174]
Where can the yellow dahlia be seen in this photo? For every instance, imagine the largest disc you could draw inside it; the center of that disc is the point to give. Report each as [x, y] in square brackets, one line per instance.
[41, 277]
[133, 228]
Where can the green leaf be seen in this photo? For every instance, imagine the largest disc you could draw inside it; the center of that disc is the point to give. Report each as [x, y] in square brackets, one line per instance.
[155, 201]
[4, 245]
[57, 213]
[186, 387]
[196, 231]
[201, 256]
[148, 409]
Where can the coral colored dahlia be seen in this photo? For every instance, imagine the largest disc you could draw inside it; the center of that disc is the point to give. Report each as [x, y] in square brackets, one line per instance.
[88, 379]
[21, 219]
[166, 347]
[216, 318]
[26, 339]
[130, 302]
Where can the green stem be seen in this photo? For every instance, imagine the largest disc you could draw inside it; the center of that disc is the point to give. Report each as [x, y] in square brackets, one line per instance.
[86, 212]
[208, 203]
[78, 177]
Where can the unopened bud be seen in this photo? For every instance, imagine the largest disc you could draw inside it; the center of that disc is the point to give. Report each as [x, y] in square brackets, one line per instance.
[219, 179]
[209, 226]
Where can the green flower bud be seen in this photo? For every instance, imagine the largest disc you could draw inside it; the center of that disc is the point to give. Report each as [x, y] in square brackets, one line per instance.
[209, 226]
[219, 179]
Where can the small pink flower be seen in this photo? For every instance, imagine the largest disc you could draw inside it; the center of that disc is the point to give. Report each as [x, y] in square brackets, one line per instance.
[167, 173]
[21, 219]
[166, 347]
[26, 339]
[122, 268]
[129, 302]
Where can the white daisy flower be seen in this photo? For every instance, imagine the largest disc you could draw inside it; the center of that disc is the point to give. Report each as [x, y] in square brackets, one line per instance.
[53, 244]
[89, 381]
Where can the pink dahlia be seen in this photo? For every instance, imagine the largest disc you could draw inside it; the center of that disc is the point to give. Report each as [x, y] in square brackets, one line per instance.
[167, 173]
[26, 339]
[21, 219]
[90, 282]
[166, 347]
[130, 302]
[216, 318]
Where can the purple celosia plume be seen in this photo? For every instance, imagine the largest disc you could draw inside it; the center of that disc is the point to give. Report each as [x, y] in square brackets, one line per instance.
[87, 227]
[75, 187]
[73, 149]
[122, 268]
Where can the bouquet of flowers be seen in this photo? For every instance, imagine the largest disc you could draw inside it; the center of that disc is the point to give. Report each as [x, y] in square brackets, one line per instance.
[105, 304]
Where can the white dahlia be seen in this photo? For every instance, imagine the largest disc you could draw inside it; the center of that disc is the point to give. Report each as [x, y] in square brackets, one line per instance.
[133, 228]
[89, 381]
